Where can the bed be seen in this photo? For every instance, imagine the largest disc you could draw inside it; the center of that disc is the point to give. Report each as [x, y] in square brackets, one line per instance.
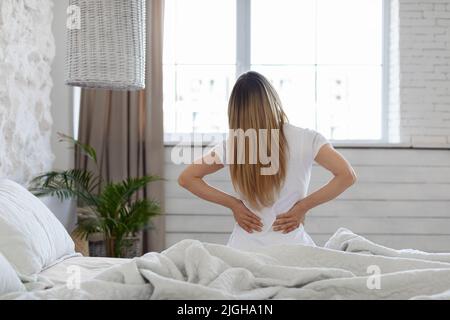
[38, 261]
[348, 267]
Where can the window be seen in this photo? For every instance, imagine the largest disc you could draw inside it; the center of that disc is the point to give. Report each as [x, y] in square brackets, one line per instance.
[325, 58]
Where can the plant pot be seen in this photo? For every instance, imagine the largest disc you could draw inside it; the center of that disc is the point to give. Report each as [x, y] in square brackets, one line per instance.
[99, 246]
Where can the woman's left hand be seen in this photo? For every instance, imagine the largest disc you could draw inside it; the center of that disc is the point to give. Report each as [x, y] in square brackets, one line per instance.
[290, 220]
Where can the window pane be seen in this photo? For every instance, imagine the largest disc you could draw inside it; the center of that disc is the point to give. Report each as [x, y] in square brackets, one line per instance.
[169, 95]
[349, 102]
[200, 99]
[201, 31]
[349, 32]
[283, 32]
[296, 88]
[324, 57]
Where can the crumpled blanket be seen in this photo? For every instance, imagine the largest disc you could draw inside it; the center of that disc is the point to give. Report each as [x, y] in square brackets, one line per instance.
[347, 267]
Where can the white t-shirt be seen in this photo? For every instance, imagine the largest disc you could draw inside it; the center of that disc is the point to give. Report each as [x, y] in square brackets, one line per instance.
[303, 144]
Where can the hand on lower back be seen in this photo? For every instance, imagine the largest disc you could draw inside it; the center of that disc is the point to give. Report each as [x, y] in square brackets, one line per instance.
[290, 220]
[246, 219]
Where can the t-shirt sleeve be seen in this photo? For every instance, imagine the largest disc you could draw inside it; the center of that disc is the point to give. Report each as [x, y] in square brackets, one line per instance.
[318, 141]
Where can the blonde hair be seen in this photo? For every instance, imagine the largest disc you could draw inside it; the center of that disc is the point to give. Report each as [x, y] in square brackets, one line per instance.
[255, 104]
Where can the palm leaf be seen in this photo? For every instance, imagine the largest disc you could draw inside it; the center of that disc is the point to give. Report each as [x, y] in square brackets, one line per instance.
[115, 196]
[85, 148]
[66, 184]
[138, 214]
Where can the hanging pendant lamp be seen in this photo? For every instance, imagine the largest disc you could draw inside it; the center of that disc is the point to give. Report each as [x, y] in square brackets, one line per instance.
[106, 44]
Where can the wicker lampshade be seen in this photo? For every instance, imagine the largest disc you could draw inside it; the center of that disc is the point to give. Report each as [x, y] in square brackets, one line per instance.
[106, 46]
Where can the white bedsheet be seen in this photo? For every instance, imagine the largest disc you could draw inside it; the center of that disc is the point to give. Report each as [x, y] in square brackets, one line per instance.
[342, 270]
[88, 268]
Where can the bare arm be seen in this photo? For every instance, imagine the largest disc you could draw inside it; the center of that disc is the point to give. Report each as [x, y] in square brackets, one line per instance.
[343, 178]
[192, 179]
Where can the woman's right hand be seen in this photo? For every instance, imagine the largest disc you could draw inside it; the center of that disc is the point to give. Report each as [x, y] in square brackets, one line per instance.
[246, 219]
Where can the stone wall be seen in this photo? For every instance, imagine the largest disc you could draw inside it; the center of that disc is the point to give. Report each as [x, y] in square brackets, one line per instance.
[26, 53]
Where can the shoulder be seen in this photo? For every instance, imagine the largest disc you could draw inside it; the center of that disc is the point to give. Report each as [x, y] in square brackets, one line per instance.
[309, 141]
[298, 132]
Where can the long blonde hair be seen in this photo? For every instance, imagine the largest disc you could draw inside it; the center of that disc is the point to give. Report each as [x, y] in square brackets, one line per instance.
[255, 104]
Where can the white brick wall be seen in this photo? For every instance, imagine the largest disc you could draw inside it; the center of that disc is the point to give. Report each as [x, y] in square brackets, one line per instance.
[394, 74]
[420, 72]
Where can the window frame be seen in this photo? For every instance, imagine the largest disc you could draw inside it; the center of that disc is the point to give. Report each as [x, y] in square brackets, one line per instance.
[243, 64]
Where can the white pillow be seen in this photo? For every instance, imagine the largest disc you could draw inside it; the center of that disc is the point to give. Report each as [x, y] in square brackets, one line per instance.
[9, 281]
[31, 238]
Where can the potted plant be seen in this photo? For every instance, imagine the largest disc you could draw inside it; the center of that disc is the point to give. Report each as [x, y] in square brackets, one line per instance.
[112, 209]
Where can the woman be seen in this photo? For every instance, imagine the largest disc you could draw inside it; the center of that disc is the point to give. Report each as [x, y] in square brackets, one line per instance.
[270, 208]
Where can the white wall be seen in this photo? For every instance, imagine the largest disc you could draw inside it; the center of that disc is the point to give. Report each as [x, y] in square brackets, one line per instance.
[394, 73]
[420, 54]
[26, 52]
[61, 94]
[61, 110]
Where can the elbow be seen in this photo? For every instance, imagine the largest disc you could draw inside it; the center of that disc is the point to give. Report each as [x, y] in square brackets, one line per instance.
[183, 181]
[347, 178]
[350, 177]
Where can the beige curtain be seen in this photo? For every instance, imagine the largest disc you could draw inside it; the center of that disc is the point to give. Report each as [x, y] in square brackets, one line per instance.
[126, 128]
[154, 142]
